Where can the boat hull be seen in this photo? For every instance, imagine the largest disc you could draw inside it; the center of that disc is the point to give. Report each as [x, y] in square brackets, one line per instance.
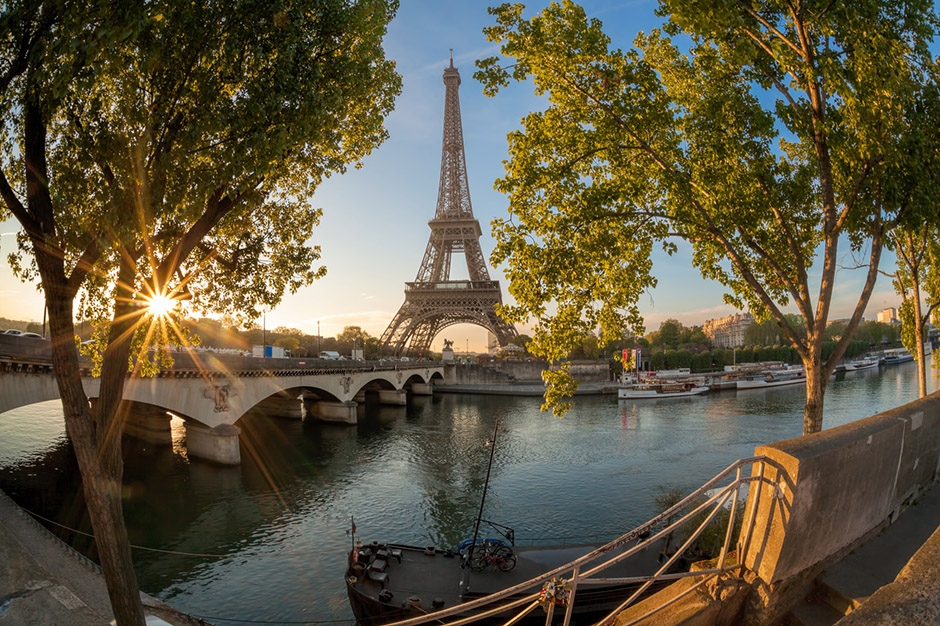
[635, 393]
[857, 366]
[897, 360]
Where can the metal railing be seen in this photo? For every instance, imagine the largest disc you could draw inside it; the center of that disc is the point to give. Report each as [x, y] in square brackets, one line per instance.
[557, 589]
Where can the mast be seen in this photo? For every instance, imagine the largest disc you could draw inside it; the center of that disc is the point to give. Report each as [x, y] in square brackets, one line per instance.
[486, 484]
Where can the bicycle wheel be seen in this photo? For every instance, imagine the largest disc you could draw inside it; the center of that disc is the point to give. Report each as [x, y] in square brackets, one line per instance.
[506, 560]
[507, 563]
[478, 560]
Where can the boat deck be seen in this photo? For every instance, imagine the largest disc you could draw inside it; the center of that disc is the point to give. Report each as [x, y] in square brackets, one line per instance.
[434, 579]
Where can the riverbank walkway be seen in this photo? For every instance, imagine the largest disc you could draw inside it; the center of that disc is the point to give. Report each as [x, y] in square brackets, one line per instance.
[43, 581]
[892, 579]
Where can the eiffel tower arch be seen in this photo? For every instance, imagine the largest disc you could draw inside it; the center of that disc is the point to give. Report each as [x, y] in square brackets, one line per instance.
[434, 301]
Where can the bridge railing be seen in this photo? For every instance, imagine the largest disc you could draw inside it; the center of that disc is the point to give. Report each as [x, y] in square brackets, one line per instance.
[688, 518]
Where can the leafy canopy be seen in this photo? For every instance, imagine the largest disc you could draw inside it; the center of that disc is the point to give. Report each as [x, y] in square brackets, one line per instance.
[193, 143]
[758, 143]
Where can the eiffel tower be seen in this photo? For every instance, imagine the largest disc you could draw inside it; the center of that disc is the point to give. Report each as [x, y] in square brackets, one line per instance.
[433, 301]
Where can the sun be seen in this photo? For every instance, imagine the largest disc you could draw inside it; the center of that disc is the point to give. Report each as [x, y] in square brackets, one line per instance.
[160, 306]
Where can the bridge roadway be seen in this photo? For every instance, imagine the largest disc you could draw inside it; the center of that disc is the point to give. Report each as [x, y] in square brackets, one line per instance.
[211, 391]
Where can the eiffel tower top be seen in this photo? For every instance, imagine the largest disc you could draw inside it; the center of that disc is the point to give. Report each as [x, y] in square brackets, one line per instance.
[453, 197]
[451, 75]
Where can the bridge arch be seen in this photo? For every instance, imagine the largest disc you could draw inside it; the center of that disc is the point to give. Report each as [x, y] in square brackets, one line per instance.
[211, 402]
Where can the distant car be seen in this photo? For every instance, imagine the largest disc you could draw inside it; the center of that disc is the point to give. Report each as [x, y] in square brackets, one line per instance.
[13, 331]
[32, 335]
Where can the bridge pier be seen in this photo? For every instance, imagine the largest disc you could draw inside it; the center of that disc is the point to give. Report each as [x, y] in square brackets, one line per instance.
[219, 444]
[450, 373]
[398, 397]
[422, 389]
[340, 412]
[149, 423]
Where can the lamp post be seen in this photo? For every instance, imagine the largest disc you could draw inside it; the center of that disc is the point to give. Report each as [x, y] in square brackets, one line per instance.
[264, 333]
[468, 349]
[318, 339]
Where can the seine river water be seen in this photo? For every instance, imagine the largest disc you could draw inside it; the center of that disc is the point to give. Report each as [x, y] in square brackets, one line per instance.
[266, 542]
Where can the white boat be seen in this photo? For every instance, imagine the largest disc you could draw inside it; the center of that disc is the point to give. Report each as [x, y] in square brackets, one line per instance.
[775, 377]
[897, 355]
[661, 389]
[861, 364]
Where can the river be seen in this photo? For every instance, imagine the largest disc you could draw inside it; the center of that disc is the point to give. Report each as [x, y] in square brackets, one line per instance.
[265, 542]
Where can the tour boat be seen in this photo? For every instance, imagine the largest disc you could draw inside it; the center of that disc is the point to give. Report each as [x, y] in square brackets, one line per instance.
[861, 364]
[897, 355]
[661, 389]
[390, 582]
[775, 377]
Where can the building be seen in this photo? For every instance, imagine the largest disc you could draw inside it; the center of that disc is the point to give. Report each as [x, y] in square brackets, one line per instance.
[728, 332]
[888, 316]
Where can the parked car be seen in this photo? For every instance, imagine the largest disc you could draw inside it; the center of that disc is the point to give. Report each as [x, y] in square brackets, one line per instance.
[13, 331]
[32, 335]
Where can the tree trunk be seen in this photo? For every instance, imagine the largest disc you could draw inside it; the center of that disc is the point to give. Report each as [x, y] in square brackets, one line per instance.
[100, 466]
[817, 376]
[919, 338]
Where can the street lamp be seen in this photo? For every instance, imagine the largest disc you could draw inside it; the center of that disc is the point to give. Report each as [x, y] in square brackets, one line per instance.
[318, 339]
[468, 349]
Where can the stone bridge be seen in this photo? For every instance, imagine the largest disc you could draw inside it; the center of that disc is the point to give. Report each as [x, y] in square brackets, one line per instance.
[212, 392]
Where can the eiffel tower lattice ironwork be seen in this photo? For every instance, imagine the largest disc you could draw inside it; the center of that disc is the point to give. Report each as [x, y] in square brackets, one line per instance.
[433, 301]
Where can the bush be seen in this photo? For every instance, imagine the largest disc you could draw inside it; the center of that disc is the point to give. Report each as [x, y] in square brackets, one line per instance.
[710, 541]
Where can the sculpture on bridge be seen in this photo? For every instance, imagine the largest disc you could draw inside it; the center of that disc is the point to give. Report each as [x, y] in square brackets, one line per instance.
[448, 344]
[220, 395]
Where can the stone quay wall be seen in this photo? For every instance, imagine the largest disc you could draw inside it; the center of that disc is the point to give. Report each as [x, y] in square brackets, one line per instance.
[505, 372]
[823, 494]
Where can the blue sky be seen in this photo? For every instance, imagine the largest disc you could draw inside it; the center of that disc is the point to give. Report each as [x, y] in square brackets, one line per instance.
[374, 229]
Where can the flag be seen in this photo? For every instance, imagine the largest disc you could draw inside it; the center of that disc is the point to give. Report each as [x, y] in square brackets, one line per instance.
[353, 522]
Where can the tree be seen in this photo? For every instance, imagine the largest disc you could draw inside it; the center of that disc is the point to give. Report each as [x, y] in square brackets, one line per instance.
[759, 147]
[351, 337]
[670, 332]
[163, 151]
[917, 280]
[917, 275]
[289, 342]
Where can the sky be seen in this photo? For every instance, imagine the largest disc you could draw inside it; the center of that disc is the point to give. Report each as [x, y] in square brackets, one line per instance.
[374, 229]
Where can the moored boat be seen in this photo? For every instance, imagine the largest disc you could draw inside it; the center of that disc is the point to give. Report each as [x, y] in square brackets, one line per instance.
[896, 356]
[391, 582]
[776, 377]
[861, 364]
[661, 389]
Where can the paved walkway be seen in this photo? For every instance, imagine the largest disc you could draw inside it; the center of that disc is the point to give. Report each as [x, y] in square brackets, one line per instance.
[45, 582]
[896, 575]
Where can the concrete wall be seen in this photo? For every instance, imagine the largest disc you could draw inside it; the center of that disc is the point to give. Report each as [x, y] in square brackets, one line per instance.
[28, 347]
[500, 372]
[822, 493]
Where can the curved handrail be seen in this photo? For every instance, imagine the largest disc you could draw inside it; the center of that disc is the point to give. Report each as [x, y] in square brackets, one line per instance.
[716, 499]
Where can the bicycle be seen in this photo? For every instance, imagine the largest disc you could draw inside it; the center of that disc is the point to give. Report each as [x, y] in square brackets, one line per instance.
[492, 554]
